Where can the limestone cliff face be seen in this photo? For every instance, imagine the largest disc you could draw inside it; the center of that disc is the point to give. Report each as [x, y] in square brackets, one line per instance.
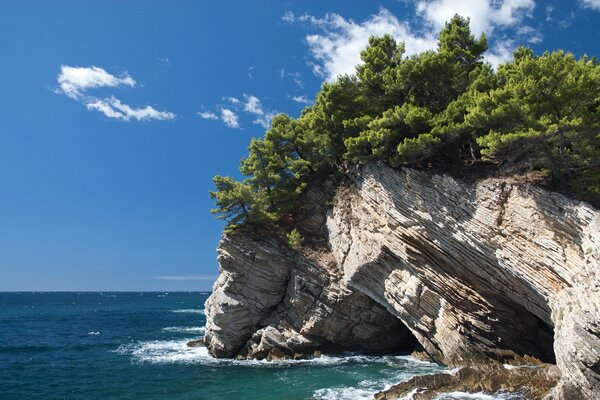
[476, 273]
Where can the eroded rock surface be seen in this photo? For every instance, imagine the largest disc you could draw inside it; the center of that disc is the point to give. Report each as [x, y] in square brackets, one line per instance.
[478, 273]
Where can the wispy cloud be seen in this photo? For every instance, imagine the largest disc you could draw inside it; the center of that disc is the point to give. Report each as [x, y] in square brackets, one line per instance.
[336, 50]
[232, 100]
[296, 78]
[253, 105]
[549, 11]
[113, 108]
[207, 115]
[164, 61]
[186, 278]
[485, 15]
[230, 118]
[230, 114]
[501, 53]
[265, 119]
[593, 4]
[302, 99]
[75, 82]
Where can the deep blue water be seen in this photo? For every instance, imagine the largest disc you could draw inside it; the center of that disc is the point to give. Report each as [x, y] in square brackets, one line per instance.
[133, 346]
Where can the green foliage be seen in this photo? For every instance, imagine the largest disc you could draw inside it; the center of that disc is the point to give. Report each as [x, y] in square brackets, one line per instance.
[295, 239]
[544, 111]
[238, 203]
[457, 42]
[382, 135]
[444, 106]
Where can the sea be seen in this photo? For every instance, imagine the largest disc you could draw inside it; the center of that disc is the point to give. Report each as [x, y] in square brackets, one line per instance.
[132, 345]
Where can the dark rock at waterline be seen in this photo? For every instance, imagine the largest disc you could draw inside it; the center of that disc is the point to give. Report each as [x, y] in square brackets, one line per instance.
[196, 343]
[535, 382]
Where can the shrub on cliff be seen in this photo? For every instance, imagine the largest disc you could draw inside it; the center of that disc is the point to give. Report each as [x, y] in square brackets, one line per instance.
[295, 239]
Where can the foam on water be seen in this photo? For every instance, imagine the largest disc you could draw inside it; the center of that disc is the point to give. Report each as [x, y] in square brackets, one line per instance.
[481, 396]
[347, 393]
[184, 329]
[188, 311]
[165, 351]
[177, 351]
[366, 391]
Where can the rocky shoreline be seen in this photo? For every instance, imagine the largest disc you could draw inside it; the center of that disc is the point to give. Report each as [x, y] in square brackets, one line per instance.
[473, 275]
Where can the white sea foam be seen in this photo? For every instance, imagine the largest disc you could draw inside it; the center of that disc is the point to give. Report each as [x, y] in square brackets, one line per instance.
[345, 393]
[480, 396]
[366, 389]
[189, 311]
[177, 351]
[184, 329]
[93, 333]
[165, 351]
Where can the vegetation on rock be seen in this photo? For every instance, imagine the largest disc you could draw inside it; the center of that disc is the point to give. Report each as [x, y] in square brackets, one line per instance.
[295, 239]
[438, 107]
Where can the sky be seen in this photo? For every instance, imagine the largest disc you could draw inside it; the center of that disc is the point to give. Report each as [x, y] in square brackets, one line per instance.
[116, 115]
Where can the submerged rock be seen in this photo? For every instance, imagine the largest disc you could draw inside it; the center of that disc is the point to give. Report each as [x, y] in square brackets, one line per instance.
[474, 273]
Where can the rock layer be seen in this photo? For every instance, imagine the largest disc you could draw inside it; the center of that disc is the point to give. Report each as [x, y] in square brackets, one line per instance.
[476, 272]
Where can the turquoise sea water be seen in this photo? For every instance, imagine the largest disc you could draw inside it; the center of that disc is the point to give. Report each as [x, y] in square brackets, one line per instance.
[133, 346]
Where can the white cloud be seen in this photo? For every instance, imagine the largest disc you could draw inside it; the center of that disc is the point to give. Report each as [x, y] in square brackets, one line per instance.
[115, 109]
[296, 78]
[501, 53]
[253, 105]
[337, 50]
[288, 17]
[529, 34]
[74, 81]
[485, 15]
[207, 115]
[594, 4]
[302, 99]
[549, 11]
[265, 119]
[232, 100]
[230, 118]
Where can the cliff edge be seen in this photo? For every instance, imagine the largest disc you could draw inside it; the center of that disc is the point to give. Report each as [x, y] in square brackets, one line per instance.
[472, 274]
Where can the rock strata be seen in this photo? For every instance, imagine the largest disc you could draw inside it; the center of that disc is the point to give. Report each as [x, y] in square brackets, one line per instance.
[475, 274]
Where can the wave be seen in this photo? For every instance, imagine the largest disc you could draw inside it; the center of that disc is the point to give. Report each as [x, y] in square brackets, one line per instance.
[93, 333]
[502, 395]
[165, 351]
[184, 329]
[189, 310]
[177, 351]
[346, 393]
[367, 389]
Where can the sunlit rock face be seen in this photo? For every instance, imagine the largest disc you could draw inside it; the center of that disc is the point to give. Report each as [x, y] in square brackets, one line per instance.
[475, 272]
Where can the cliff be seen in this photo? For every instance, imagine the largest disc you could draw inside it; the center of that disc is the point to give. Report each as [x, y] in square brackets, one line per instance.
[473, 274]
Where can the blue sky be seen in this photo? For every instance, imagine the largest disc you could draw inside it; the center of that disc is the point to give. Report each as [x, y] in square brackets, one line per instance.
[117, 114]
